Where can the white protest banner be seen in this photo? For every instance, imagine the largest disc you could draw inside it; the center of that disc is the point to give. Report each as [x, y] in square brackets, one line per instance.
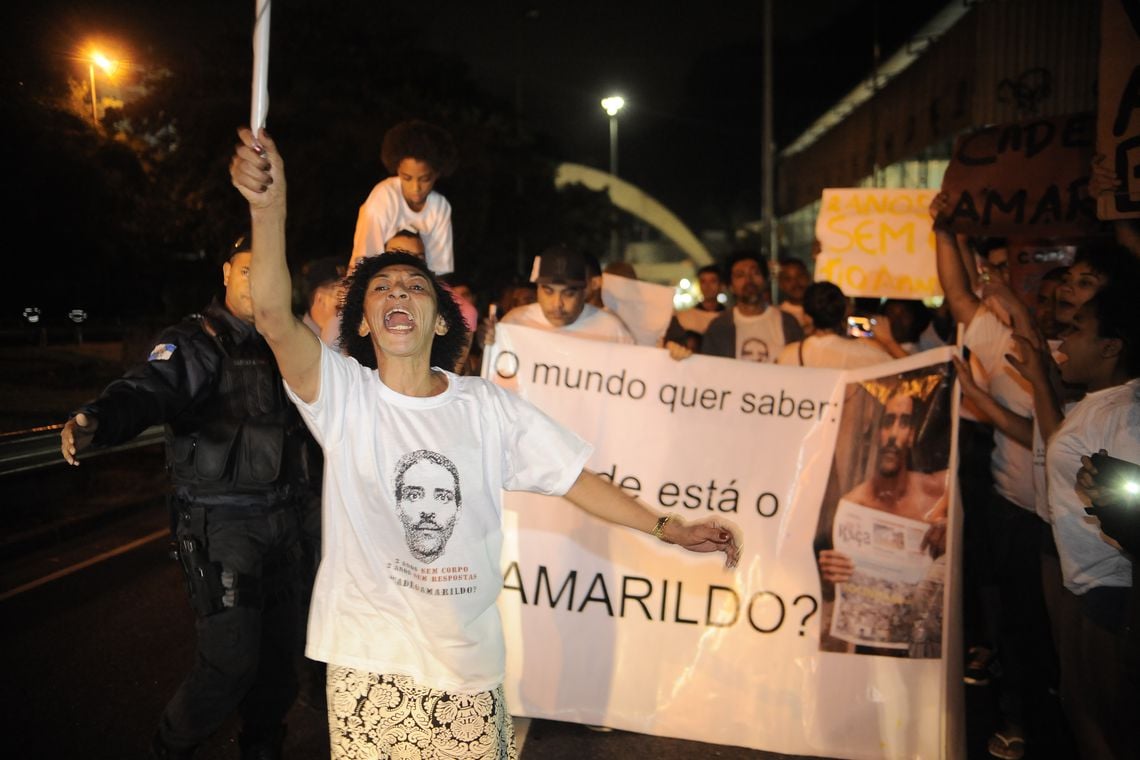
[877, 242]
[606, 625]
[645, 307]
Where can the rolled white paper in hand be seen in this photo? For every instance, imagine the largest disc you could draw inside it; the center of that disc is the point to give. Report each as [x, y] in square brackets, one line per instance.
[259, 102]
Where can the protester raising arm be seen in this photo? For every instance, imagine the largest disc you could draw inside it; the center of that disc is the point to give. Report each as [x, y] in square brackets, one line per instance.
[952, 272]
[258, 172]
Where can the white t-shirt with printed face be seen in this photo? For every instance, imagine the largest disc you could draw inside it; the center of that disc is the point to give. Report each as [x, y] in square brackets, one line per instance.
[759, 338]
[412, 518]
[1012, 466]
[1108, 419]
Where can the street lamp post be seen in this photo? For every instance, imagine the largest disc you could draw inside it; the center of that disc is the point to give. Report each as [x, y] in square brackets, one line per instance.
[108, 66]
[612, 105]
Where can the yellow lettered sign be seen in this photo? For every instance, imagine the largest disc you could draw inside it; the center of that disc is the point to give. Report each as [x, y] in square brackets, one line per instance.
[877, 242]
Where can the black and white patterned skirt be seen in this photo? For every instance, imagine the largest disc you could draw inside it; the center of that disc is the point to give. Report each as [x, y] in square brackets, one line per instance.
[374, 716]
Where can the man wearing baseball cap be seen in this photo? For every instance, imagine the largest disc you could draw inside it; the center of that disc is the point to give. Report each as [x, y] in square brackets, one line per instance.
[562, 284]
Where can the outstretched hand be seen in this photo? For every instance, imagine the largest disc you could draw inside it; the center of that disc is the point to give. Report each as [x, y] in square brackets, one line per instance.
[258, 171]
[76, 436]
[711, 535]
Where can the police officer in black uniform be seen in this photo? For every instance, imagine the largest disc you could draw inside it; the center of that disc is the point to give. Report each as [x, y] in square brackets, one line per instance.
[237, 454]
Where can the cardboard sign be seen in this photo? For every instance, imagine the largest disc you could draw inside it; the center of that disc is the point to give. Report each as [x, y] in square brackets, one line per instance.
[1118, 108]
[877, 242]
[1027, 179]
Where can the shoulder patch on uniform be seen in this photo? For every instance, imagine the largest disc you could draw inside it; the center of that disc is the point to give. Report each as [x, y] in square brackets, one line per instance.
[161, 352]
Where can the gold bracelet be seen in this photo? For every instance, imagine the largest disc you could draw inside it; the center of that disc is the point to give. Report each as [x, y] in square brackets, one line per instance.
[659, 528]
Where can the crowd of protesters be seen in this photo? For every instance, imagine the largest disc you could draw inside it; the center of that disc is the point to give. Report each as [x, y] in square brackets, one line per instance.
[1048, 380]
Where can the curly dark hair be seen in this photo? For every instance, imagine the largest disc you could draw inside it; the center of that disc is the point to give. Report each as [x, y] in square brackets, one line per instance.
[421, 141]
[446, 349]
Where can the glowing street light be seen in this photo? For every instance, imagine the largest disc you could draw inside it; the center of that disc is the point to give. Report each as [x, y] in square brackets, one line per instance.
[98, 59]
[613, 104]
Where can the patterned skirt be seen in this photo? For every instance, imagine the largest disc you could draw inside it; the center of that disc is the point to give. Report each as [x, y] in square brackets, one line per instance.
[373, 716]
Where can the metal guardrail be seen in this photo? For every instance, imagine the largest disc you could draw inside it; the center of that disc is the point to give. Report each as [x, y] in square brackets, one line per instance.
[39, 447]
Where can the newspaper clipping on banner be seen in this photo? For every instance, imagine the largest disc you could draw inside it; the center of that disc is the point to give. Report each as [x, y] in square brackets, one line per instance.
[816, 469]
[876, 606]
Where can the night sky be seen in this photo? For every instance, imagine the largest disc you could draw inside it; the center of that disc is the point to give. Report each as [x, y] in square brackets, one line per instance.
[518, 83]
[691, 72]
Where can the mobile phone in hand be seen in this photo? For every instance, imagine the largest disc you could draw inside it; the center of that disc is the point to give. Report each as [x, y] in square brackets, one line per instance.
[1117, 475]
[860, 327]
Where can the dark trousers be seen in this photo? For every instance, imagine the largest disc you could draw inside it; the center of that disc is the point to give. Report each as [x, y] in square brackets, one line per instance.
[975, 450]
[1028, 657]
[245, 653]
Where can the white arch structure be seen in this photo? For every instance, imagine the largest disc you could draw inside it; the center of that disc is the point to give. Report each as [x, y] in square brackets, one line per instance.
[636, 201]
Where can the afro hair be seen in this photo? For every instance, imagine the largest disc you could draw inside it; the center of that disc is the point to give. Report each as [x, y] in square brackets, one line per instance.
[421, 141]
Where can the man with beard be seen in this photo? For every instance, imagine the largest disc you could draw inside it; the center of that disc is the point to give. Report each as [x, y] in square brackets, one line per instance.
[897, 489]
[428, 502]
[894, 487]
[751, 330]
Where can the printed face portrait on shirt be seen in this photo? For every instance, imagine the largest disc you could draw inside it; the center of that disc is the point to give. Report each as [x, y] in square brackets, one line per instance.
[427, 501]
[896, 434]
[754, 350]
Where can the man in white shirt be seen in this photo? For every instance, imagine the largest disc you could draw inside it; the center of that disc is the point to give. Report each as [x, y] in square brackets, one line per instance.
[562, 288]
[752, 330]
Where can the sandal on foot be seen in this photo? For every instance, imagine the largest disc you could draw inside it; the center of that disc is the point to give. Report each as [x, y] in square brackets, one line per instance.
[1007, 745]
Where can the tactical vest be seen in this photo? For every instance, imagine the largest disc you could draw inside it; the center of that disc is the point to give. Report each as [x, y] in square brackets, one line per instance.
[244, 438]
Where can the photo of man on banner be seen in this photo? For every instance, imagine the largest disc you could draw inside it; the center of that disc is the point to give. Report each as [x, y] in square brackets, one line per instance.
[881, 537]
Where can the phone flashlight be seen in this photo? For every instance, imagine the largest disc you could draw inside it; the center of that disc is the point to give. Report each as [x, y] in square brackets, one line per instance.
[860, 327]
